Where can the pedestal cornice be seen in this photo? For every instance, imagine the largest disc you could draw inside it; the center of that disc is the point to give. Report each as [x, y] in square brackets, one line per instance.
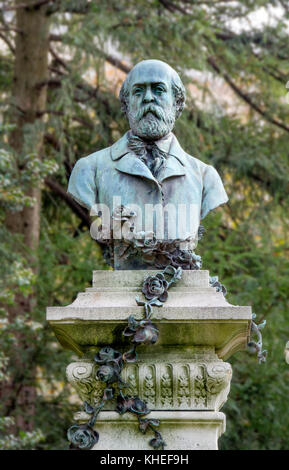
[194, 314]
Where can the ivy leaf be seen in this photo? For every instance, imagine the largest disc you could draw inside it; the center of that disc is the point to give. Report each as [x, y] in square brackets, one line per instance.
[108, 394]
[88, 408]
[261, 325]
[130, 356]
[139, 302]
[154, 422]
[157, 303]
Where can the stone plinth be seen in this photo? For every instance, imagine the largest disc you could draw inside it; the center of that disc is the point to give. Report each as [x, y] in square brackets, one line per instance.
[183, 377]
[182, 430]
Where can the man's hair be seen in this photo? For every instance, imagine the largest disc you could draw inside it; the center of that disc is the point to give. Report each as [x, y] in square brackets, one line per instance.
[177, 87]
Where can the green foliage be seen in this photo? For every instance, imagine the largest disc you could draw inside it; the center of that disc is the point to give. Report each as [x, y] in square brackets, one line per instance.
[255, 274]
[13, 183]
[24, 441]
[246, 242]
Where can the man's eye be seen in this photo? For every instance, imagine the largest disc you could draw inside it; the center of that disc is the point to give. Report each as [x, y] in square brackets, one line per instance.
[159, 90]
[137, 91]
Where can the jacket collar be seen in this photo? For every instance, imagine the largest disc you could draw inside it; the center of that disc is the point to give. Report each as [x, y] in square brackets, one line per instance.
[129, 163]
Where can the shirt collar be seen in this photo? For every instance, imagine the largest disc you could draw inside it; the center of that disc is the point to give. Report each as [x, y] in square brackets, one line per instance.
[168, 144]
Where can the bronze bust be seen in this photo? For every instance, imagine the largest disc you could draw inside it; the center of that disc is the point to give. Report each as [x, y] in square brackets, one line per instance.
[150, 193]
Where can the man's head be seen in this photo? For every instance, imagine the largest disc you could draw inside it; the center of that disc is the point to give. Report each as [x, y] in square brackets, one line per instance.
[153, 97]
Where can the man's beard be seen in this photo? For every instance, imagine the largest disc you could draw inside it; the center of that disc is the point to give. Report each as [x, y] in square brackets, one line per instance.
[151, 122]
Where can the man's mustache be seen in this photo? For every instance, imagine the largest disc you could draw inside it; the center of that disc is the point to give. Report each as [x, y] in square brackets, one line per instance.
[151, 108]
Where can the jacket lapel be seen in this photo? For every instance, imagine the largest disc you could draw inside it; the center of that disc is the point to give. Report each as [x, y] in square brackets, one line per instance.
[128, 162]
[119, 148]
[132, 165]
[175, 165]
[177, 151]
[173, 168]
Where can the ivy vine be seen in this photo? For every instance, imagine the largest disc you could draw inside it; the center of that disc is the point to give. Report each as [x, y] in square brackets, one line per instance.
[111, 363]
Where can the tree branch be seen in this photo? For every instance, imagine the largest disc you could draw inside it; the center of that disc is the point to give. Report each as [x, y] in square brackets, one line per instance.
[52, 140]
[172, 7]
[245, 97]
[84, 86]
[11, 28]
[108, 57]
[58, 59]
[27, 6]
[51, 83]
[207, 2]
[79, 7]
[55, 37]
[8, 42]
[81, 212]
[93, 93]
[62, 113]
[114, 61]
[258, 38]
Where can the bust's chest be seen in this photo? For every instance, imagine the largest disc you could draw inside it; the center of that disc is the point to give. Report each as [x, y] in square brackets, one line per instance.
[170, 206]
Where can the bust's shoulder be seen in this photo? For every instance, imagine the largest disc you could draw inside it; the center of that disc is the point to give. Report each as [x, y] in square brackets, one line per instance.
[196, 162]
[189, 161]
[104, 157]
[213, 191]
[93, 160]
[205, 173]
[198, 165]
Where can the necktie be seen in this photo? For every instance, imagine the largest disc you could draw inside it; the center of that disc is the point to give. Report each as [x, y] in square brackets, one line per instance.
[149, 153]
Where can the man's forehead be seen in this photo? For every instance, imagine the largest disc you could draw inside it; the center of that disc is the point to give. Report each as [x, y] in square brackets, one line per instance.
[150, 73]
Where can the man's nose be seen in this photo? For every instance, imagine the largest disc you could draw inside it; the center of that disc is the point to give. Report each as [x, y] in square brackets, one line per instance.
[148, 96]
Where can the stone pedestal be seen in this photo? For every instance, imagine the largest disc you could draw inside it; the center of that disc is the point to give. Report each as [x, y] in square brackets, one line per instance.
[181, 430]
[183, 377]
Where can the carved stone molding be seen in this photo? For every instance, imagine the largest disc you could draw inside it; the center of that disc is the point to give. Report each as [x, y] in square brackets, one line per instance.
[82, 376]
[166, 385]
[195, 314]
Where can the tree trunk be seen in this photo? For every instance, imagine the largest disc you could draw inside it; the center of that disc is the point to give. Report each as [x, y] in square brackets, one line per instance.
[28, 103]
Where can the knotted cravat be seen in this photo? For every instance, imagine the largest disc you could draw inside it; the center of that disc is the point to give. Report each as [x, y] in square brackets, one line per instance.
[149, 153]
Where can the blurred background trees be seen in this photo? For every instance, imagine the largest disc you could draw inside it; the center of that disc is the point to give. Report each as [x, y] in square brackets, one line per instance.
[62, 64]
